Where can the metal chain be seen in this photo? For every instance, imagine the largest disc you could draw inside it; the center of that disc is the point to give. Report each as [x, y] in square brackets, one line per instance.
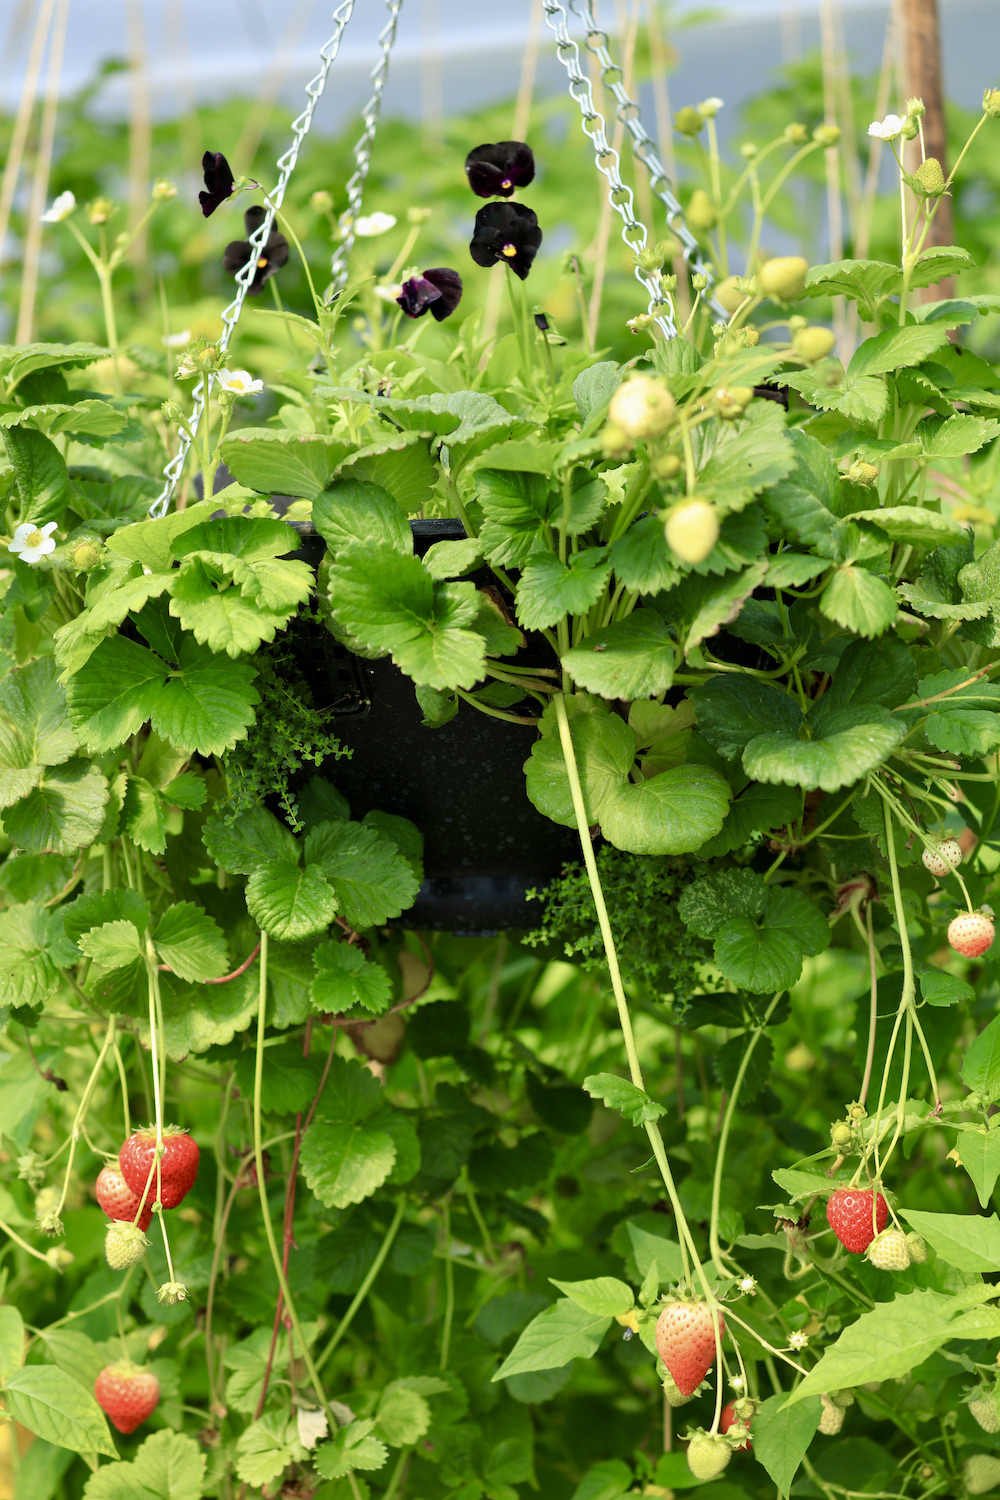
[244, 277]
[363, 153]
[606, 158]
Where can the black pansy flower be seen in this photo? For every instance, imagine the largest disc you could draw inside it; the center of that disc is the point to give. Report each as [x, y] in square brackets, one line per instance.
[497, 171]
[507, 232]
[219, 182]
[270, 257]
[438, 292]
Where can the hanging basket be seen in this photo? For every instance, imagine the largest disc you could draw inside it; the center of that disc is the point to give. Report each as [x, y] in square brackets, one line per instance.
[485, 845]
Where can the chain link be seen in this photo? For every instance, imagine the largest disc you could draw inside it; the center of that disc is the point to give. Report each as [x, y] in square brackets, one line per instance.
[363, 153]
[230, 317]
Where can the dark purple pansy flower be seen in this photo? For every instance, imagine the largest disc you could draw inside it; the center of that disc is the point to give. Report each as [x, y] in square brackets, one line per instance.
[270, 257]
[218, 181]
[438, 291]
[541, 323]
[507, 232]
[497, 171]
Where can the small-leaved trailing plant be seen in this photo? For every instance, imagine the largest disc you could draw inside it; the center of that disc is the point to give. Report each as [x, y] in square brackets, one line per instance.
[767, 711]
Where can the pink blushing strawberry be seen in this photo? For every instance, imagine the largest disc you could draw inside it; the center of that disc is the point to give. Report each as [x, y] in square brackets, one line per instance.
[127, 1394]
[971, 933]
[685, 1341]
[118, 1200]
[849, 1213]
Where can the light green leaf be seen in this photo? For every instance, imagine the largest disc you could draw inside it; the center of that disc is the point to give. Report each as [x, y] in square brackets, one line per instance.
[802, 505]
[403, 1414]
[518, 507]
[221, 618]
[895, 348]
[40, 472]
[956, 436]
[673, 812]
[353, 1448]
[749, 456]
[781, 1436]
[846, 743]
[561, 1333]
[654, 1249]
[619, 1093]
[112, 696]
[604, 748]
[167, 1466]
[371, 881]
[290, 903]
[208, 704]
[149, 542]
[911, 523]
[896, 1336]
[144, 814]
[760, 960]
[266, 1448]
[274, 461]
[452, 559]
[732, 711]
[64, 812]
[978, 1151]
[56, 1407]
[190, 943]
[346, 979]
[34, 728]
[353, 511]
[345, 1163]
[965, 1241]
[11, 1340]
[631, 659]
[708, 904]
[642, 560]
[605, 1295]
[549, 589]
[859, 601]
[981, 1063]
[399, 462]
[112, 945]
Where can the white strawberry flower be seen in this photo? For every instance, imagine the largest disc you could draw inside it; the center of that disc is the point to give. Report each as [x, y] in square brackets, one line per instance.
[710, 107]
[887, 129]
[31, 542]
[239, 382]
[370, 225]
[176, 340]
[798, 1340]
[61, 209]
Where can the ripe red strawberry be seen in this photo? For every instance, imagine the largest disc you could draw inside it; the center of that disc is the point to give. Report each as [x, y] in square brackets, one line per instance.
[685, 1341]
[849, 1213]
[178, 1166]
[118, 1200]
[127, 1394]
[971, 933]
[727, 1420]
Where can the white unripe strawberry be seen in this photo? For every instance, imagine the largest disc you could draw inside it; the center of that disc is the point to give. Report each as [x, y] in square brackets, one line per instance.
[971, 933]
[124, 1246]
[889, 1251]
[814, 343]
[981, 1472]
[984, 1410]
[692, 530]
[675, 1397]
[708, 1455]
[943, 859]
[784, 277]
[642, 408]
[917, 1248]
[832, 1417]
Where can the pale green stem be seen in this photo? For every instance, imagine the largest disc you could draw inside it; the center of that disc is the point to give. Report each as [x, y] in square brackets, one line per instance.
[81, 1113]
[720, 1155]
[449, 1285]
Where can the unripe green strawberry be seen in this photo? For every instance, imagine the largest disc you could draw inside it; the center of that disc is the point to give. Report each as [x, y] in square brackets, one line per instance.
[841, 1135]
[692, 530]
[728, 295]
[86, 556]
[862, 473]
[708, 1455]
[981, 1472]
[701, 210]
[930, 177]
[832, 1417]
[675, 1397]
[917, 1249]
[124, 1246]
[984, 1410]
[889, 1251]
[784, 277]
[971, 933]
[813, 344]
[731, 401]
[947, 856]
[688, 121]
[666, 466]
[642, 408]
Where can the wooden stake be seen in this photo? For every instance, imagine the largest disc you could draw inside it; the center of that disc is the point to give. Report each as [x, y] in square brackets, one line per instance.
[12, 168]
[922, 60]
[40, 180]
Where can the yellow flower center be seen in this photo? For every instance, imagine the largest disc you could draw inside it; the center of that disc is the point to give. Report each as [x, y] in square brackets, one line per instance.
[510, 251]
[262, 263]
[505, 183]
[34, 539]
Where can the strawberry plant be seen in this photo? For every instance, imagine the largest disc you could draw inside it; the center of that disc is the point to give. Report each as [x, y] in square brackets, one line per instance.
[309, 1200]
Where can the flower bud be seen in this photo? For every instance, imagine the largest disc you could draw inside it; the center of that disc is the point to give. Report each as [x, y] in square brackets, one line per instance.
[668, 281]
[172, 410]
[171, 1292]
[856, 1111]
[59, 1257]
[731, 401]
[796, 133]
[699, 281]
[701, 210]
[100, 211]
[691, 530]
[909, 130]
[321, 202]
[51, 1223]
[915, 109]
[163, 190]
[688, 121]
[827, 135]
[710, 108]
[642, 408]
[749, 150]
[418, 215]
[784, 277]
[86, 556]
[991, 103]
[640, 323]
[813, 344]
[930, 177]
[649, 260]
[862, 473]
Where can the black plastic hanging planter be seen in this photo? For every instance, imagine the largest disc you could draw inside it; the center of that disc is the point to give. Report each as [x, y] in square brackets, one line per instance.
[485, 845]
